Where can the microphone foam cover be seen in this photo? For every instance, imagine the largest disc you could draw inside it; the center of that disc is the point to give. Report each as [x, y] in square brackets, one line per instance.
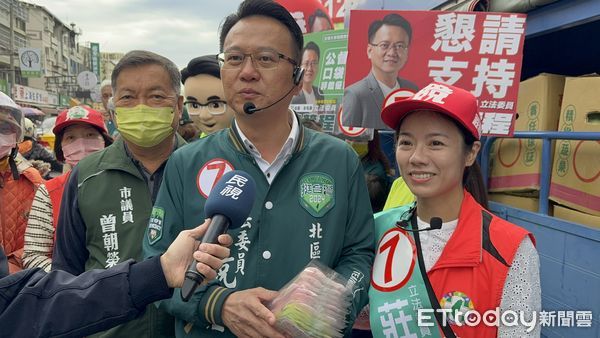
[435, 223]
[249, 108]
[233, 197]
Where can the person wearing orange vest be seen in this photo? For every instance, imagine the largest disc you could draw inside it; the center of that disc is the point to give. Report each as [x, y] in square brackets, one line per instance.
[444, 260]
[79, 132]
[18, 183]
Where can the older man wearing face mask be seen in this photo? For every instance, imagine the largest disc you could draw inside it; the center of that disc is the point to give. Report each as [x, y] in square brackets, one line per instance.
[111, 192]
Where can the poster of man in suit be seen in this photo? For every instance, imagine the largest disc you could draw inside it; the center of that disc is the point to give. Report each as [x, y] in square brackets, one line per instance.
[396, 49]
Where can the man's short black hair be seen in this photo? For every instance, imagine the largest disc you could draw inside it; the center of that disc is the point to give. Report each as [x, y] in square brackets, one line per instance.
[206, 64]
[390, 20]
[317, 14]
[312, 46]
[269, 9]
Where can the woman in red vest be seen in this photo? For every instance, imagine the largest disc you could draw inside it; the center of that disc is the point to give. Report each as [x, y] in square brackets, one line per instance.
[18, 183]
[79, 132]
[445, 265]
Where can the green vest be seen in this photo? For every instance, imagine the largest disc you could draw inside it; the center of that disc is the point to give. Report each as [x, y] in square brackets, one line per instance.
[115, 203]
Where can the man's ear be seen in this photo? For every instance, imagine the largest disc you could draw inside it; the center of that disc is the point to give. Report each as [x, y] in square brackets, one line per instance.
[369, 50]
[112, 113]
[180, 105]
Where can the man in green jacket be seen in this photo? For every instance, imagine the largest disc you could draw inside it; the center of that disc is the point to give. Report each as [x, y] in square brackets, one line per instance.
[311, 198]
[109, 196]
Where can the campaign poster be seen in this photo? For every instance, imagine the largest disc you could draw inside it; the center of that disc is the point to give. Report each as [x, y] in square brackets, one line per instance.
[310, 15]
[324, 59]
[478, 51]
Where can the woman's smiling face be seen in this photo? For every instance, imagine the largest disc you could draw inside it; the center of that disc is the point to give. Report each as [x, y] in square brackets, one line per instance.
[432, 156]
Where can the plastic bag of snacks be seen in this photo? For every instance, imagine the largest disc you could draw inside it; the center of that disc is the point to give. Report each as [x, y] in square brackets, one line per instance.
[314, 304]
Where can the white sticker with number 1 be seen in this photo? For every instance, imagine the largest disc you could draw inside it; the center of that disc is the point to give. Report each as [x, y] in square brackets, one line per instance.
[394, 262]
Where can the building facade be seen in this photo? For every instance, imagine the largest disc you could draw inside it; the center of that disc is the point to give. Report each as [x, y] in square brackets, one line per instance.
[20, 19]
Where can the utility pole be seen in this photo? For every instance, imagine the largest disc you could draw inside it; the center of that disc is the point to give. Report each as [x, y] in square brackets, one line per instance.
[12, 49]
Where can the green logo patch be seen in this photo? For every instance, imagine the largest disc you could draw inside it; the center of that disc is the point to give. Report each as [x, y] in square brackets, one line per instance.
[155, 225]
[316, 193]
[77, 112]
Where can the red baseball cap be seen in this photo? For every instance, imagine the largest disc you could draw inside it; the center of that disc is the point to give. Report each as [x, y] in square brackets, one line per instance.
[457, 103]
[79, 114]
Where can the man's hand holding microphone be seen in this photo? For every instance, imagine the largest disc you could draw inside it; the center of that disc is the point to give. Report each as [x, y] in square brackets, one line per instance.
[208, 257]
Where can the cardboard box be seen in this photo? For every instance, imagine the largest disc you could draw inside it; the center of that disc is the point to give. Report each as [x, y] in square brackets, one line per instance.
[516, 163]
[525, 203]
[576, 166]
[576, 216]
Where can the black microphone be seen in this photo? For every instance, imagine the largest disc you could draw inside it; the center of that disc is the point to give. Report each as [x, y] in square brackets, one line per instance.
[228, 205]
[250, 108]
[434, 224]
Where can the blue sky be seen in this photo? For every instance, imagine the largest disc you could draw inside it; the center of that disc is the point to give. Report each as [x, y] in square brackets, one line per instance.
[177, 29]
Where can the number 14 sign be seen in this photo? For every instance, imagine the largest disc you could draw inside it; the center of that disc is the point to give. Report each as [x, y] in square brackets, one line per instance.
[394, 262]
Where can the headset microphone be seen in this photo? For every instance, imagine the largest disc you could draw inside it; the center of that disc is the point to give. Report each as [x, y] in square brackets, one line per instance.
[297, 75]
[434, 224]
[250, 108]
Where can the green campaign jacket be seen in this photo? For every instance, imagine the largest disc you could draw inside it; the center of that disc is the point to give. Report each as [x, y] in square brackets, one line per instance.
[316, 207]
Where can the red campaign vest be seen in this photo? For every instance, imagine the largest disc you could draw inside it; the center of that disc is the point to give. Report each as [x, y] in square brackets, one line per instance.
[16, 197]
[55, 187]
[476, 261]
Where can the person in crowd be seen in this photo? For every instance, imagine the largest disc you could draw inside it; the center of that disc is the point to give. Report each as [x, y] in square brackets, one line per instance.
[377, 167]
[39, 304]
[399, 195]
[319, 21]
[187, 129]
[79, 132]
[18, 183]
[110, 193]
[204, 96]
[310, 63]
[389, 41]
[302, 194]
[463, 257]
[106, 93]
[32, 150]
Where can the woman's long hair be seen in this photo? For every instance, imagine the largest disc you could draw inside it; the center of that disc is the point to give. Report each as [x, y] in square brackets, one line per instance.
[472, 178]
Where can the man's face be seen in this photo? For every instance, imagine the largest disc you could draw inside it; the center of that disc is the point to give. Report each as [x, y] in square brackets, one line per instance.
[389, 61]
[310, 63]
[149, 85]
[248, 83]
[206, 89]
[106, 93]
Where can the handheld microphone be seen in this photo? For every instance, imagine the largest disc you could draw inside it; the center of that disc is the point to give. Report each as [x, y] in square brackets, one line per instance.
[250, 108]
[228, 205]
[434, 224]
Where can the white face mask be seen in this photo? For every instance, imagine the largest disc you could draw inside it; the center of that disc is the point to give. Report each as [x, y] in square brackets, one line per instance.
[7, 143]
